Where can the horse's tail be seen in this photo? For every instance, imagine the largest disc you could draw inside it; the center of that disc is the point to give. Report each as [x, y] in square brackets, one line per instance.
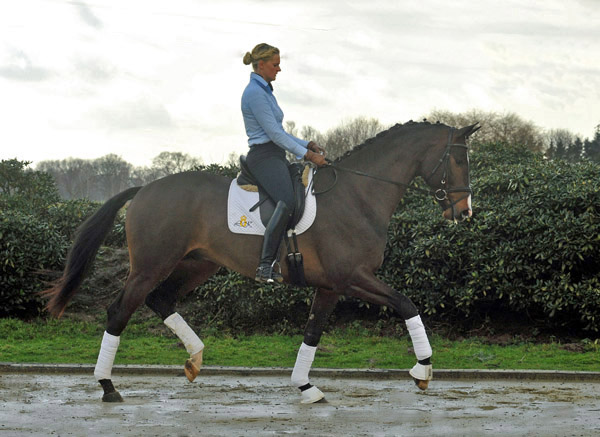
[88, 239]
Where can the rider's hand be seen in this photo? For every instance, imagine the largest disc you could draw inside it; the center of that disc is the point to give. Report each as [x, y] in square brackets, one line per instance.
[315, 158]
[315, 148]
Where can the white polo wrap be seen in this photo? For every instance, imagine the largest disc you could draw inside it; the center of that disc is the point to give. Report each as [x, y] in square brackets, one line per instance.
[106, 357]
[419, 338]
[190, 340]
[306, 356]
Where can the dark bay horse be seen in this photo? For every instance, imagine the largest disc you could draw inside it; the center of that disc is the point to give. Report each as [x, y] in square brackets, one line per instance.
[178, 237]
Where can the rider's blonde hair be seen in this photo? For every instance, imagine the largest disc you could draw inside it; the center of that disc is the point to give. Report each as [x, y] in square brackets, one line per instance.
[262, 52]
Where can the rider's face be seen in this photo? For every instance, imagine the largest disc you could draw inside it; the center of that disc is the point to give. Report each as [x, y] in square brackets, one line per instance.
[268, 69]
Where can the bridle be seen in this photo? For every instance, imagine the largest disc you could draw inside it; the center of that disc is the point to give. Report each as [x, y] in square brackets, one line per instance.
[440, 195]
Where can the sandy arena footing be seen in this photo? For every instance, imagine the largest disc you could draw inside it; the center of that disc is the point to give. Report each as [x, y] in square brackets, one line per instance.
[263, 404]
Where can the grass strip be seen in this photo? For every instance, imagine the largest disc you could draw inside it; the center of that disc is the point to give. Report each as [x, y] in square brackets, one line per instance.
[68, 341]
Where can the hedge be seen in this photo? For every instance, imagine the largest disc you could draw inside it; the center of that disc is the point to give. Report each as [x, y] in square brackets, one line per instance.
[36, 229]
[532, 249]
[29, 248]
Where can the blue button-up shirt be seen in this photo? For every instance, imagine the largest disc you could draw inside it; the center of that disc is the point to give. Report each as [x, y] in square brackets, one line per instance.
[263, 118]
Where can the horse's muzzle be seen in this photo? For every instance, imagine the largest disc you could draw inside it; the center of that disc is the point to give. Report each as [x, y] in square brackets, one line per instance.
[458, 210]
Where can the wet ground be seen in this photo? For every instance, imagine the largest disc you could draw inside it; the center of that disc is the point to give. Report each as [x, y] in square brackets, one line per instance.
[249, 405]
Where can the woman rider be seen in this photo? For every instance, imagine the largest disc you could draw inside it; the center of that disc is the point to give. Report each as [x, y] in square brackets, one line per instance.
[266, 159]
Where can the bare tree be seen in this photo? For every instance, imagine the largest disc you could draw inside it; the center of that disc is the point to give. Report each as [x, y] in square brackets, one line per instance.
[143, 175]
[309, 133]
[112, 175]
[290, 128]
[508, 127]
[340, 139]
[74, 176]
[166, 163]
[349, 134]
[233, 160]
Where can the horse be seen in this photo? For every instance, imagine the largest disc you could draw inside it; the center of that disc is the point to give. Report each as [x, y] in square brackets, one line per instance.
[178, 237]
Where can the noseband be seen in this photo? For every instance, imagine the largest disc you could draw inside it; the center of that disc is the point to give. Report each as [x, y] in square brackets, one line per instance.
[440, 195]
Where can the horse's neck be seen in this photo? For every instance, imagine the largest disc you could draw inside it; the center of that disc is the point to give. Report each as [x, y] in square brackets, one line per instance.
[385, 160]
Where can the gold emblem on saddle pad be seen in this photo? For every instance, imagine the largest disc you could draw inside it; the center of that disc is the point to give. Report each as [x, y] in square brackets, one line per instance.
[243, 222]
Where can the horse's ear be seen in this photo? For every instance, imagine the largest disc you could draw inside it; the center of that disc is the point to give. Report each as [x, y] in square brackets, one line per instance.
[467, 131]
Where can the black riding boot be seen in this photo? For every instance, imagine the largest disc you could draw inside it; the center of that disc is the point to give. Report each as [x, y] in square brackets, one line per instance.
[268, 269]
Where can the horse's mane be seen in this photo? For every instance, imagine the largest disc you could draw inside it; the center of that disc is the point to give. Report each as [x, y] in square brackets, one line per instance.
[397, 128]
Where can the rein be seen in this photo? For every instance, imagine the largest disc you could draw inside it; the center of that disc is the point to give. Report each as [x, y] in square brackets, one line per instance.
[367, 175]
[440, 194]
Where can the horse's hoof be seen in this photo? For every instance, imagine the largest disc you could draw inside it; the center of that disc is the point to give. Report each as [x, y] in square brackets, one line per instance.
[421, 383]
[112, 397]
[312, 395]
[192, 366]
[191, 370]
[422, 374]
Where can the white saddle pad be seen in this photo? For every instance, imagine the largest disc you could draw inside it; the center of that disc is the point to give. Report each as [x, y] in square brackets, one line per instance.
[241, 221]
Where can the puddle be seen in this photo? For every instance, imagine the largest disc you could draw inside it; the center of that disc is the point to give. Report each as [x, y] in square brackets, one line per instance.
[265, 406]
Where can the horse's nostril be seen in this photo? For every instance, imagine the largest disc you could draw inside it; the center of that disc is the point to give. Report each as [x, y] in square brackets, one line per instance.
[466, 214]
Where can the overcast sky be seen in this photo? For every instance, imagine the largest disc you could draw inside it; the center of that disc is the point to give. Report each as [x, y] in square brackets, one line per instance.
[137, 77]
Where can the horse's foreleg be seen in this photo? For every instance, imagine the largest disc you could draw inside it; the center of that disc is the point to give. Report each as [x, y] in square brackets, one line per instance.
[371, 289]
[422, 372]
[323, 304]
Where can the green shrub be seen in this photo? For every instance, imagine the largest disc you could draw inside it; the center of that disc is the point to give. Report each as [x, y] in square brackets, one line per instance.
[532, 247]
[230, 301]
[68, 215]
[35, 231]
[28, 247]
[24, 189]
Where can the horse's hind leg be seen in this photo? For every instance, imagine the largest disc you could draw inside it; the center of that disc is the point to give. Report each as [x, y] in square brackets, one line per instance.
[188, 274]
[119, 313]
[323, 304]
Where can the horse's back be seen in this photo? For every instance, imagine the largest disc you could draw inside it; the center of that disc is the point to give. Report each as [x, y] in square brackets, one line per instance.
[178, 190]
[179, 206]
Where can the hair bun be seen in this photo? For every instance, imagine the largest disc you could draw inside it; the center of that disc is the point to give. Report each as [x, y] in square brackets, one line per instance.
[248, 58]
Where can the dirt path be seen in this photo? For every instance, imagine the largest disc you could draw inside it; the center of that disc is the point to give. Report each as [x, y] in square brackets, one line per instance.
[226, 405]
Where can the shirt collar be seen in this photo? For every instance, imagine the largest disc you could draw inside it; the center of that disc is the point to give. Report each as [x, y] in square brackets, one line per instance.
[260, 80]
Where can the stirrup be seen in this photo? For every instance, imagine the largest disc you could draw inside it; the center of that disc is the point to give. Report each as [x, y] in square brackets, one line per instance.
[268, 273]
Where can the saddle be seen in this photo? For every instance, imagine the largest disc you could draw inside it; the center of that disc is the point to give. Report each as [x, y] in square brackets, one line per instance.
[248, 182]
[299, 174]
